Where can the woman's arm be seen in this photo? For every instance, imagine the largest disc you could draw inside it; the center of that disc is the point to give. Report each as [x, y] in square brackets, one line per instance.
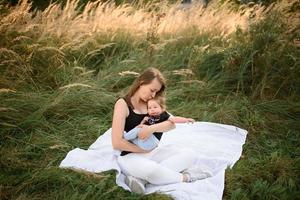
[146, 131]
[177, 119]
[118, 124]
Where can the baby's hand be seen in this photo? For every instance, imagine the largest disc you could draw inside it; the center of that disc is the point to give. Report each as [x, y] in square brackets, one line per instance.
[145, 120]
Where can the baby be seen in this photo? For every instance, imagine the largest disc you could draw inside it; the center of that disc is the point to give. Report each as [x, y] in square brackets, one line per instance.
[156, 113]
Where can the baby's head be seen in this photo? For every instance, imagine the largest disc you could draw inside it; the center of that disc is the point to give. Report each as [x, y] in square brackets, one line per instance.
[156, 106]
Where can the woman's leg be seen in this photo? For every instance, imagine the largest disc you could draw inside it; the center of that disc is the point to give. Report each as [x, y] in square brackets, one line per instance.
[174, 158]
[140, 166]
[181, 160]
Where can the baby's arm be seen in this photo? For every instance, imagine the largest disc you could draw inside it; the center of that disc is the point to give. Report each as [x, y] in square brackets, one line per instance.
[177, 119]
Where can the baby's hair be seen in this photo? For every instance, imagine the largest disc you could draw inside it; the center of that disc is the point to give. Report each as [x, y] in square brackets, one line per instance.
[161, 100]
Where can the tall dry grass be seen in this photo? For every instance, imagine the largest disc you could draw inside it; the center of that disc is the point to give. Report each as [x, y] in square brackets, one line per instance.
[61, 31]
[101, 17]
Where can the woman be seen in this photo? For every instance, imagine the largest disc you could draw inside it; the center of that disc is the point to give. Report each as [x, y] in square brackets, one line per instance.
[163, 165]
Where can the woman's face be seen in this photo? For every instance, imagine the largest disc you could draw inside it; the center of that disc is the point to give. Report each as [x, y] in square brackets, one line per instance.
[148, 91]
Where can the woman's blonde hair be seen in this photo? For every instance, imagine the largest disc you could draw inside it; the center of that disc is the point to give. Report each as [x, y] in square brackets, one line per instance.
[146, 77]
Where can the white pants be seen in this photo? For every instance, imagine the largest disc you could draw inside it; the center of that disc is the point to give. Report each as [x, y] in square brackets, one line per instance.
[160, 166]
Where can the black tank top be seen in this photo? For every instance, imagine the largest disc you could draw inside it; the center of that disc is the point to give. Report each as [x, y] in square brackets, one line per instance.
[132, 120]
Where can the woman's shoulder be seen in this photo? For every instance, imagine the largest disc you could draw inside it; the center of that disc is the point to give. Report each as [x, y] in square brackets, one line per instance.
[121, 103]
[121, 107]
[121, 99]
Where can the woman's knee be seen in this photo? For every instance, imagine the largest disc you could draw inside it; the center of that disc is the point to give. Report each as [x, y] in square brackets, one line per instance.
[151, 172]
[140, 168]
[122, 164]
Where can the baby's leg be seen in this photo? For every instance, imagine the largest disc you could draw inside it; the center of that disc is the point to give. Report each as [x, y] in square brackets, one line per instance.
[132, 134]
[148, 144]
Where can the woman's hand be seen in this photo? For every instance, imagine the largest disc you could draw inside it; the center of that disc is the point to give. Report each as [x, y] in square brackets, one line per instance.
[190, 120]
[177, 119]
[145, 151]
[145, 132]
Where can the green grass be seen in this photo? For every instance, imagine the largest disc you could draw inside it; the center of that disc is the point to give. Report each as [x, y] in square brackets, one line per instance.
[57, 93]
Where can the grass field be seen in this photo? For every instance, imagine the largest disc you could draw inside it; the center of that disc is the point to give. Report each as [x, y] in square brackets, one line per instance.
[61, 70]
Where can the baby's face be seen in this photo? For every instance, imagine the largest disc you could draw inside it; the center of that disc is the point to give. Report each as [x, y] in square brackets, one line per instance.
[154, 108]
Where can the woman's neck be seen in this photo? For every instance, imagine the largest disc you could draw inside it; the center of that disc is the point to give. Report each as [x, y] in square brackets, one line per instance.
[138, 104]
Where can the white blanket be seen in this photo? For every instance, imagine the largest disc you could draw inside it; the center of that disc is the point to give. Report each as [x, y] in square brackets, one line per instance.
[218, 146]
